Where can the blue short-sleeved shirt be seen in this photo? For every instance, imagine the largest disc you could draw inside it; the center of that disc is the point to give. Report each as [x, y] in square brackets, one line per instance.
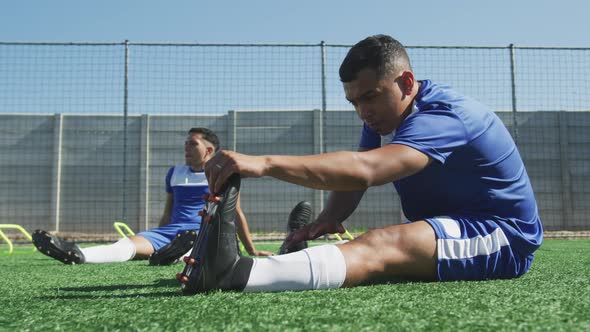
[477, 169]
[187, 187]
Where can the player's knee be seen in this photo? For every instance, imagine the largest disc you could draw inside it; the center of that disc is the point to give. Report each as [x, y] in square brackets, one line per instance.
[142, 247]
[383, 239]
[378, 247]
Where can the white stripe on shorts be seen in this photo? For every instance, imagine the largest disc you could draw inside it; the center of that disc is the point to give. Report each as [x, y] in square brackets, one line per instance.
[468, 248]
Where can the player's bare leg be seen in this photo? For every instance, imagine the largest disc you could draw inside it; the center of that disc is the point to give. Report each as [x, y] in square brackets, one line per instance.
[392, 253]
[143, 247]
[405, 251]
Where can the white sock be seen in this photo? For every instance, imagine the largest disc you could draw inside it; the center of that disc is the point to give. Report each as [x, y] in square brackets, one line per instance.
[120, 251]
[320, 267]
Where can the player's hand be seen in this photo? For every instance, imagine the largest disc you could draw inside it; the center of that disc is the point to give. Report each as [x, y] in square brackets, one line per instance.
[313, 231]
[260, 253]
[225, 163]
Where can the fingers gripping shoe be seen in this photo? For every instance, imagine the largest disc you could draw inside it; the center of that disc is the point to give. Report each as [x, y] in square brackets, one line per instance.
[298, 218]
[171, 252]
[215, 261]
[54, 247]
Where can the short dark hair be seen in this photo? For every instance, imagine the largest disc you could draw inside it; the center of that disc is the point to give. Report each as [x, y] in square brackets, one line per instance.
[206, 134]
[382, 53]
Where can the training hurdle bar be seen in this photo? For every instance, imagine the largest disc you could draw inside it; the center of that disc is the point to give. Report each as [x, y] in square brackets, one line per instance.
[346, 234]
[123, 229]
[7, 240]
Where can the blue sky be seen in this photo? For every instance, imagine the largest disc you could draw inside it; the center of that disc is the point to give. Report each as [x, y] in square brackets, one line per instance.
[443, 22]
[25, 72]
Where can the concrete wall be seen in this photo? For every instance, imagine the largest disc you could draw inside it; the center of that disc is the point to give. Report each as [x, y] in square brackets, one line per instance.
[66, 172]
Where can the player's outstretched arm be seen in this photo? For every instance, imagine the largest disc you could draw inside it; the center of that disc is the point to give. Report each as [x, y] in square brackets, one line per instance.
[337, 171]
[339, 206]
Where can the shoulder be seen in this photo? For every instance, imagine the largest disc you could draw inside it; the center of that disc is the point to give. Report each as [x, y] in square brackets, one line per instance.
[436, 102]
[175, 171]
[432, 96]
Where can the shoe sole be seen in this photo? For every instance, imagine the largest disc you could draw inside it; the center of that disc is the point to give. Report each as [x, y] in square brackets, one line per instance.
[179, 246]
[191, 277]
[301, 208]
[45, 243]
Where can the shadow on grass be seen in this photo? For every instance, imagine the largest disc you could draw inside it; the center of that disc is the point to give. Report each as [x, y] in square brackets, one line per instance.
[111, 296]
[113, 288]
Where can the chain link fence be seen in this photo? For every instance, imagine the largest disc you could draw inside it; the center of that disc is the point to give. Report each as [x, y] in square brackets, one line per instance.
[88, 130]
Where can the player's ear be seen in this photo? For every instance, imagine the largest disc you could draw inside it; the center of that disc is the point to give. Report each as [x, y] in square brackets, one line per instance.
[408, 81]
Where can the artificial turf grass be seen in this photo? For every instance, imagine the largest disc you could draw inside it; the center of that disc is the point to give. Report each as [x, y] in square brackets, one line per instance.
[42, 294]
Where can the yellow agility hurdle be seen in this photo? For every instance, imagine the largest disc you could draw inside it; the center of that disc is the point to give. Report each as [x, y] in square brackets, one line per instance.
[123, 229]
[346, 234]
[7, 240]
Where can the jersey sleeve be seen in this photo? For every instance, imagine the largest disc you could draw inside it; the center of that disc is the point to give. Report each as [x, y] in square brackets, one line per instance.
[370, 139]
[437, 133]
[168, 179]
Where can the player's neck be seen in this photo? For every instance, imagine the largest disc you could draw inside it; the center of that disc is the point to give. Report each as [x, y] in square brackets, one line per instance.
[409, 109]
[197, 167]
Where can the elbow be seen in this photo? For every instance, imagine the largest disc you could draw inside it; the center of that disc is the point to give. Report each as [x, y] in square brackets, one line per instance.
[354, 177]
[362, 179]
[372, 173]
[373, 179]
[366, 181]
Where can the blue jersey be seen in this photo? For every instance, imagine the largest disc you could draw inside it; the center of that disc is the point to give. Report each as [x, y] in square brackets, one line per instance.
[187, 188]
[477, 169]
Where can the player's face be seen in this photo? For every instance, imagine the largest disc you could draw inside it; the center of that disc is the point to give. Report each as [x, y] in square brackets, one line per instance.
[378, 102]
[197, 150]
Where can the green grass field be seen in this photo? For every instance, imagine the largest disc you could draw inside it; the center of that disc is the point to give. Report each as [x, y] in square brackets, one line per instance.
[40, 294]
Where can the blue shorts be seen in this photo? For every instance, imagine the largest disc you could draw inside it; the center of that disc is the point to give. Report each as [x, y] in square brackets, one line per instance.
[161, 236]
[475, 248]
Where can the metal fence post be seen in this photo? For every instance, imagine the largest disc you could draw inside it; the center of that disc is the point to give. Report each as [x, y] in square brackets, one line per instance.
[232, 118]
[144, 174]
[125, 104]
[322, 118]
[513, 86]
[57, 169]
[564, 165]
[324, 106]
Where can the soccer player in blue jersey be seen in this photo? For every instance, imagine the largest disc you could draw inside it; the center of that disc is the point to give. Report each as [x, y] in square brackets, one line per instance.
[185, 186]
[458, 172]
